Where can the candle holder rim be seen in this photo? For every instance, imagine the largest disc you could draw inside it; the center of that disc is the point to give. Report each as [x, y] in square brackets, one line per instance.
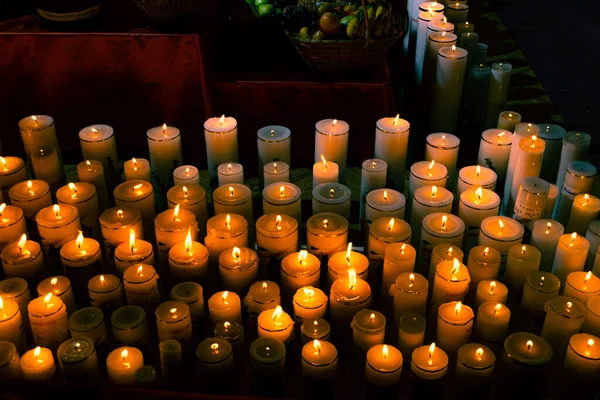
[221, 132]
[290, 201]
[583, 355]
[333, 361]
[497, 144]
[437, 205]
[451, 58]
[447, 36]
[285, 168]
[454, 323]
[371, 170]
[88, 256]
[15, 222]
[67, 223]
[293, 231]
[483, 185]
[497, 205]
[88, 168]
[187, 204]
[438, 147]
[83, 200]
[155, 274]
[437, 273]
[514, 239]
[407, 125]
[10, 354]
[16, 311]
[40, 128]
[274, 141]
[433, 179]
[549, 306]
[194, 260]
[24, 261]
[476, 367]
[331, 134]
[136, 200]
[428, 371]
[119, 285]
[175, 321]
[283, 328]
[140, 320]
[35, 197]
[6, 174]
[308, 307]
[178, 229]
[384, 371]
[164, 139]
[389, 239]
[32, 314]
[306, 274]
[112, 134]
[458, 6]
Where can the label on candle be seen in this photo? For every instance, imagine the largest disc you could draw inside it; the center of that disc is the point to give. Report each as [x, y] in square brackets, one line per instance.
[527, 213]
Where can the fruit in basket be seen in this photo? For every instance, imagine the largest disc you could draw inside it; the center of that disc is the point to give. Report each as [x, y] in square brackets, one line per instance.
[259, 3]
[353, 27]
[350, 8]
[330, 23]
[319, 35]
[304, 32]
[322, 8]
[310, 5]
[266, 10]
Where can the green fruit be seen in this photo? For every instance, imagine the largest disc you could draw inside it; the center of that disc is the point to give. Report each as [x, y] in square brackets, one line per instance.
[322, 8]
[379, 11]
[265, 10]
[330, 24]
[349, 9]
[346, 20]
[371, 13]
[259, 3]
[352, 28]
[304, 32]
[319, 35]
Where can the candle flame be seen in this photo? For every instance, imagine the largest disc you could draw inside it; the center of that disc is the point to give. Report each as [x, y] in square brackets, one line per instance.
[444, 221]
[278, 222]
[348, 252]
[228, 221]
[164, 128]
[391, 224]
[53, 281]
[334, 122]
[457, 307]
[586, 198]
[548, 226]
[275, 167]
[224, 297]
[138, 186]
[449, 251]
[501, 224]
[134, 162]
[222, 119]
[431, 13]
[36, 353]
[102, 280]
[140, 270]
[478, 171]
[56, 209]
[1, 303]
[573, 238]
[188, 242]
[433, 191]
[431, 350]
[124, 355]
[492, 287]
[569, 305]
[264, 286]
[542, 279]
[455, 269]
[351, 278]
[34, 118]
[2, 207]
[396, 119]
[523, 249]
[231, 191]
[529, 345]
[431, 164]
[215, 348]
[187, 170]
[385, 195]
[443, 138]
[444, 34]
[325, 223]
[385, 351]
[372, 317]
[402, 248]
[22, 242]
[309, 292]
[486, 251]
[29, 187]
[445, 20]
[453, 48]
[277, 313]
[497, 308]
[324, 162]
[373, 164]
[132, 240]
[412, 280]
[281, 191]
[302, 256]
[479, 353]
[120, 213]
[4, 163]
[533, 139]
[79, 240]
[176, 213]
[236, 253]
[331, 192]
[228, 167]
[185, 192]
[227, 325]
[590, 343]
[502, 133]
[317, 346]
[587, 277]
[47, 299]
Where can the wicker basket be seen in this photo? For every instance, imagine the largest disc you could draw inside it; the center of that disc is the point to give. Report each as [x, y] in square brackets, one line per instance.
[165, 12]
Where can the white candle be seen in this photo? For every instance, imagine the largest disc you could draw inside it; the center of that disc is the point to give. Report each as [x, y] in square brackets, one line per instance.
[138, 195]
[12, 224]
[544, 237]
[11, 323]
[384, 203]
[274, 145]
[282, 198]
[475, 176]
[411, 333]
[539, 287]
[384, 365]
[443, 148]
[30, 196]
[81, 260]
[48, 319]
[224, 306]
[440, 229]
[475, 206]
[275, 323]
[391, 146]
[230, 172]
[23, 259]
[134, 251]
[326, 234]
[268, 358]
[276, 237]
[122, 364]
[347, 296]
[491, 290]
[276, 171]
[141, 285]
[234, 198]
[340, 263]
[331, 141]
[129, 326]
[424, 173]
[98, 143]
[483, 264]
[571, 254]
[331, 197]
[192, 294]
[232, 331]
[492, 321]
[475, 364]
[186, 175]
[188, 261]
[215, 357]
[582, 285]
[454, 326]
[238, 268]
[299, 270]
[428, 11]
[12, 171]
[319, 360]
[368, 329]
[309, 303]
[88, 322]
[106, 292]
[164, 143]
[451, 283]
[138, 169]
[450, 73]
[457, 12]
[92, 171]
[47, 165]
[38, 364]
[522, 130]
[325, 171]
[500, 233]
[373, 176]
[10, 362]
[522, 260]
[409, 292]
[398, 259]
[220, 135]
[529, 161]
[17, 290]
[171, 227]
[564, 318]
[442, 252]
[59, 286]
[383, 232]
[82, 195]
[499, 82]
[583, 357]
[439, 34]
[191, 198]
[429, 362]
[579, 179]
[173, 321]
[585, 209]
[508, 120]
[426, 201]
[315, 329]
[575, 146]
[263, 295]
[224, 231]
[553, 135]
[38, 131]
[494, 150]
[531, 199]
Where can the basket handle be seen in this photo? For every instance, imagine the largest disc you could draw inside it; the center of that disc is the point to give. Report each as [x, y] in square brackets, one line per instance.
[367, 31]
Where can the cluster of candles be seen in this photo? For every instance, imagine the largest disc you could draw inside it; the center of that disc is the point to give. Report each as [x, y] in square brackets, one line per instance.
[445, 258]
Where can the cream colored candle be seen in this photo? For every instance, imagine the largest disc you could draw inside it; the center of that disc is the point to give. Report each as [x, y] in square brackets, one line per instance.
[579, 179]
[164, 143]
[275, 323]
[451, 283]
[522, 260]
[429, 362]
[173, 321]
[12, 224]
[282, 198]
[425, 173]
[171, 227]
[262, 295]
[492, 321]
[276, 237]
[238, 268]
[139, 195]
[116, 225]
[276, 171]
[368, 329]
[225, 306]
[571, 254]
[11, 323]
[411, 333]
[583, 357]
[494, 150]
[82, 260]
[475, 364]
[309, 303]
[585, 209]
[339, 264]
[591, 323]
[522, 130]
[426, 201]
[443, 148]
[78, 359]
[186, 175]
[221, 137]
[192, 294]
[188, 261]
[490, 290]
[564, 318]
[398, 259]
[23, 259]
[384, 203]
[215, 357]
[442, 252]
[373, 176]
[439, 34]
[106, 292]
[391, 146]
[409, 292]
[324, 171]
[424, 15]
[48, 319]
[274, 144]
[137, 169]
[575, 147]
[38, 364]
[552, 196]
[476, 204]
[331, 197]
[315, 329]
[582, 285]
[57, 225]
[88, 322]
[10, 362]
[476, 176]
[129, 326]
[47, 165]
[122, 364]
[439, 229]
[141, 285]
[539, 287]
[82, 195]
[234, 198]
[384, 365]
[12, 171]
[454, 326]
[347, 296]
[525, 356]
[224, 231]
[331, 140]
[299, 270]
[383, 232]
[500, 233]
[326, 234]
[98, 143]
[531, 199]
[593, 236]
[319, 360]
[17, 290]
[529, 162]
[30, 196]
[59, 286]
[508, 120]
[483, 264]
[132, 252]
[545, 236]
[191, 198]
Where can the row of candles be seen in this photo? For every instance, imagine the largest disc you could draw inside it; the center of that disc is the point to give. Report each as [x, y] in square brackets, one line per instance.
[437, 237]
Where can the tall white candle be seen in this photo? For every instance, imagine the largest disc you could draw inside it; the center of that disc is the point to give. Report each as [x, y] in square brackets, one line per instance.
[443, 148]
[274, 144]
[553, 135]
[494, 150]
[391, 146]
[531, 199]
[428, 11]
[564, 318]
[585, 209]
[98, 143]
[571, 254]
[544, 237]
[164, 143]
[221, 137]
[579, 179]
[331, 140]
[575, 146]
[529, 163]
[373, 176]
[450, 73]
[428, 200]
[521, 130]
[326, 234]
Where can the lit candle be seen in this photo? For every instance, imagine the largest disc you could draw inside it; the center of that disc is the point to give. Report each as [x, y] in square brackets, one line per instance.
[492, 321]
[138, 169]
[522, 130]
[425, 173]
[82, 195]
[383, 232]
[451, 283]
[439, 34]
[315, 329]
[275, 323]
[384, 203]
[224, 231]
[522, 260]
[585, 209]
[494, 149]
[309, 303]
[476, 205]
[500, 233]
[141, 285]
[106, 292]
[98, 143]
[191, 198]
[575, 147]
[583, 357]
[391, 146]
[116, 223]
[326, 234]
[319, 360]
[398, 259]
[476, 176]
[442, 252]
[579, 179]
[347, 296]
[324, 171]
[276, 171]
[47, 165]
[530, 201]
[443, 148]
[225, 306]
[12, 171]
[238, 268]
[173, 321]
[188, 261]
[221, 137]
[429, 362]
[384, 365]
[232, 331]
[274, 144]
[171, 227]
[57, 225]
[282, 198]
[527, 357]
[483, 263]
[88, 322]
[564, 318]
[186, 175]
[82, 260]
[529, 160]
[331, 197]
[299, 270]
[492, 291]
[38, 364]
[139, 195]
[164, 143]
[215, 357]
[545, 236]
[30, 196]
[539, 287]
[457, 12]
[426, 201]
[37, 131]
[17, 290]
[440, 229]
[267, 358]
[192, 294]
[59, 286]
[582, 285]
[410, 294]
[571, 254]
[450, 74]
[78, 359]
[368, 329]
[427, 12]
[122, 364]
[10, 362]
[276, 237]
[12, 224]
[591, 323]
[411, 333]
[48, 319]
[475, 364]
[11, 323]
[508, 120]
[454, 326]
[373, 176]
[132, 252]
[230, 172]
[23, 259]
[339, 264]
[129, 326]
[331, 140]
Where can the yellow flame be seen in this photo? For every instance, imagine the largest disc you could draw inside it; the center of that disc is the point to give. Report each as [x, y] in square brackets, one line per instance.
[132, 240]
[73, 189]
[444, 136]
[533, 139]
[173, 311]
[445, 20]
[449, 251]
[529, 345]
[102, 280]
[351, 278]
[412, 279]
[34, 118]
[587, 277]
[325, 223]
[457, 307]
[331, 192]
[334, 122]
[373, 164]
[385, 351]
[586, 198]
[444, 221]
[523, 249]
[138, 186]
[134, 162]
[4, 163]
[486, 251]
[391, 224]
[140, 270]
[317, 346]
[402, 248]
[492, 287]
[22, 242]
[36, 353]
[455, 269]
[222, 119]
[231, 191]
[479, 353]
[164, 128]
[264, 286]
[53, 281]
[236, 253]
[124, 355]
[590, 343]
[278, 222]
[228, 221]
[453, 48]
[2, 207]
[215, 348]
[187, 170]
[479, 195]
[569, 305]
[385, 195]
[56, 209]
[501, 224]
[431, 350]
[372, 317]
[29, 187]
[430, 166]
[275, 167]
[502, 133]
[120, 213]
[176, 213]
[434, 190]
[185, 192]
[224, 297]
[277, 313]
[1, 303]
[227, 325]
[302, 256]
[324, 162]
[281, 191]
[47, 299]
[188, 242]
[497, 308]
[396, 119]
[79, 240]
[309, 292]
[573, 238]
